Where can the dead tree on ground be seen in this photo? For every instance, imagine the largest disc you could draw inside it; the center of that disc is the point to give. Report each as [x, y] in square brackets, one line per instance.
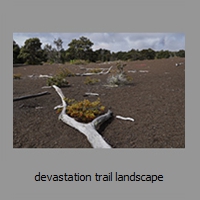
[89, 129]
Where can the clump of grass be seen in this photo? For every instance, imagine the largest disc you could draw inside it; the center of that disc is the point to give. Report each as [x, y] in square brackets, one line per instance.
[17, 76]
[84, 111]
[60, 78]
[79, 62]
[91, 81]
[97, 70]
[64, 72]
[58, 81]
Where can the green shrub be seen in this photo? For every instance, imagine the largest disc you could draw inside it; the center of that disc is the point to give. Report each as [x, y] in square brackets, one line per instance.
[60, 78]
[58, 81]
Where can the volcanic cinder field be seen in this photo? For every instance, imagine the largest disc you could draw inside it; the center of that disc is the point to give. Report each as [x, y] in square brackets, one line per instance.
[155, 99]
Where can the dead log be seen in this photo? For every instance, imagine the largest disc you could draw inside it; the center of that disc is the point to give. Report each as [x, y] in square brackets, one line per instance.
[92, 73]
[89, 129]
[30, 96]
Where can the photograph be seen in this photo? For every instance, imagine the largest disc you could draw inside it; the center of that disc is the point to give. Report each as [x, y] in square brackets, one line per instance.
[99, 90]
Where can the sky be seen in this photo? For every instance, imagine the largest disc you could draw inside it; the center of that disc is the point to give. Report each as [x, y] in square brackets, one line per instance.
[112, 41]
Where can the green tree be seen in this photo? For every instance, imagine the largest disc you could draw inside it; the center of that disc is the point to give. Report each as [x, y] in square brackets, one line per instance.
[16, 51]
[122, 55]
[31, 52]
[163, 54]
[181, 53]
[103, 55]
[147, 54]
[50, 53]
[79, 49]
[133, 55]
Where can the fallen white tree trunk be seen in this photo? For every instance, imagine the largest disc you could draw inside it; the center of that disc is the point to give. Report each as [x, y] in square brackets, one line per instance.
[89, 129]
[45, 76]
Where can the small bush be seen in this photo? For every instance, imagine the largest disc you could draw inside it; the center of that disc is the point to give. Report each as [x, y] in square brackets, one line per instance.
[91, 81]
[84, 111]
[17, 76]
[64, 72]
[58, 81]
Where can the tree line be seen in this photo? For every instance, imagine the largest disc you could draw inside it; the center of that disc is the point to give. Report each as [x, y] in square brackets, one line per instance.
[80, 49]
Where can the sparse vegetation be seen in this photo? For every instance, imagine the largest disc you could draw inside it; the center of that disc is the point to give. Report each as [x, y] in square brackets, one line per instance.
[126, 101]
[97, 70]
[58, 81]
[64, 72]
[60, 78]
[79, 62]
[91, 81]
[17, 76]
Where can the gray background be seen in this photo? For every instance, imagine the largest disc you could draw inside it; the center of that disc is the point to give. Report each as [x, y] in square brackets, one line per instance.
[179, 166]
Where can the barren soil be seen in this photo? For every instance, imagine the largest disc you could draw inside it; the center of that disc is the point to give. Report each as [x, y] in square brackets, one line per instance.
[155, 100]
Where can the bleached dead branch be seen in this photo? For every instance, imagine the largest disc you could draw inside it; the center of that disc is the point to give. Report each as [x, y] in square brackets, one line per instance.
[91, 94]
[103, 72]
[111, 86]
[132, 71]
[178, 64]
[45, 76]
[89, 129]
[46, 87]
[143, 71]
[125, 118]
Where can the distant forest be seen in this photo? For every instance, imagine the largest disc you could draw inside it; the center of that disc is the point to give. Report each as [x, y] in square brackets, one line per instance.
[80, 50]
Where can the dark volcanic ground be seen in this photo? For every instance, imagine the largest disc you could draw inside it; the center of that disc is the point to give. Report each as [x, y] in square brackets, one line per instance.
[155, 100]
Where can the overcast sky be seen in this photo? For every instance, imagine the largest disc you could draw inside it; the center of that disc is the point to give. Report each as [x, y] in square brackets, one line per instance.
[112, 41]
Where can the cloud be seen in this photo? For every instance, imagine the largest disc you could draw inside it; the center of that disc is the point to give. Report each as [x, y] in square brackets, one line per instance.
[113, 41]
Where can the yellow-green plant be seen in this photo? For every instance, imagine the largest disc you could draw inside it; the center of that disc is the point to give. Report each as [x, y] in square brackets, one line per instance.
[64, 72]
[97, 70]
[79, 62]
[60, 78]
[91, 81]
[17, 76]
[58, 81]
[84, 111]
